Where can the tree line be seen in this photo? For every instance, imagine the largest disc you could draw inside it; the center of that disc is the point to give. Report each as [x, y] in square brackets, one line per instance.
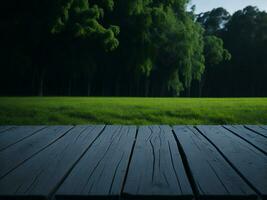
[131, 48]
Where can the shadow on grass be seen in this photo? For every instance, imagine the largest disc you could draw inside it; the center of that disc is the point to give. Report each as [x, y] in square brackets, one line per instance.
[189, 116]
[87, 118]
[159, 117]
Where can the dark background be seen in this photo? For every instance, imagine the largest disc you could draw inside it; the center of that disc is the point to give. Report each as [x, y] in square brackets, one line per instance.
[130, 48]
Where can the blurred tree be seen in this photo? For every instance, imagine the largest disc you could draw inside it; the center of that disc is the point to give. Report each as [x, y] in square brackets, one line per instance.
[131, 48]
[246, 39]
[79, 23]
[166, 46]
[214, 21]
[214, 54]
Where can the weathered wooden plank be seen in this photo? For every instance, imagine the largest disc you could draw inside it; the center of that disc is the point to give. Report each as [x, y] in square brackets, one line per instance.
[245, 158]
[214, 178]
[40, 176]
[5, 128]
[156, 169]
[13, 156]
[264, 127]
[257, 129]
[255, 139]
[101, 171]
[17, 134]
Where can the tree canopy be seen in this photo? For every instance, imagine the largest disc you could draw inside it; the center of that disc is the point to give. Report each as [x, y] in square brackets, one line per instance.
[130, 48]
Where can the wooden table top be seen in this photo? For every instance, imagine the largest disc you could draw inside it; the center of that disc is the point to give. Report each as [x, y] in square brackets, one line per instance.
[133, 162]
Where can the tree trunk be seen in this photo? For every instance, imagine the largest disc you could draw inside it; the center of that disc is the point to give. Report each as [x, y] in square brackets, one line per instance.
[147, 82]
[137, 88]
[70, 87]
[88, 83]
[41, 83]
[33, 86]
[103, 88]
[88, 88]
[117, 88]
[129, 89]
[202, 83]
[188, 91]
[200, 88]
[162, 90]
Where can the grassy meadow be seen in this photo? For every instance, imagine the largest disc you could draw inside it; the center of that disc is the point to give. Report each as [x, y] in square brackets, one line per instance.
[139, 111]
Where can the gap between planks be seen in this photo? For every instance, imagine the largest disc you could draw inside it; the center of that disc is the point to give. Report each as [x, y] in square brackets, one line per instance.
[183, 156]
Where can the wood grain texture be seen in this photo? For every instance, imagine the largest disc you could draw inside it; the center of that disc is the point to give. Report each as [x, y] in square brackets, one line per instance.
[253, 138]
[17, 134]
[245, 158]
[214, 178]
[13, 156]
[258, 129]
[156, 169]
[41, 175]
[101, 171]
[5, 128]
[264, 127]
[93, 162]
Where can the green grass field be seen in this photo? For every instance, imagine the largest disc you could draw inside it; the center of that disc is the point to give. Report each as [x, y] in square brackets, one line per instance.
[68, 110]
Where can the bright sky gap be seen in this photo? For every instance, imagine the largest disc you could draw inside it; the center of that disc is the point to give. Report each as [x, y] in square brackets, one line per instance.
[230, 5]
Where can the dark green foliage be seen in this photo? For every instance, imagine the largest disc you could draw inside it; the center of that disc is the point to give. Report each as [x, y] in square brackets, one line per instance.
[129, 48]
[214, 54]
[214, 51]
[214, 20]
[245, 37]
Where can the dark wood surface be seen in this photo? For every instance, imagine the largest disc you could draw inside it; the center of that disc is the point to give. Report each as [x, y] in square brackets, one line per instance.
[42, 174]
[264, 127]
[17, 134]
[21, 151]
[130, 162]
[258, 129]
[247, 160]
[258, 141]
[104, 176]
[4, 128]
[204, 160]
[156, 167]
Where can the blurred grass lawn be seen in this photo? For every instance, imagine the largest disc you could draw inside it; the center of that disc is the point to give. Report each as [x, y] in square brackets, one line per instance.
[139, 111]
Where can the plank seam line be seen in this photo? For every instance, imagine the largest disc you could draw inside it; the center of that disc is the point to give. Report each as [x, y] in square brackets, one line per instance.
[7, 129]
[129, 162]
[186, 166]
[263, 127]
[50, 196]
[24, 138]
[230, 163]
[21, 163]
[255, 131]
[245, 140]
